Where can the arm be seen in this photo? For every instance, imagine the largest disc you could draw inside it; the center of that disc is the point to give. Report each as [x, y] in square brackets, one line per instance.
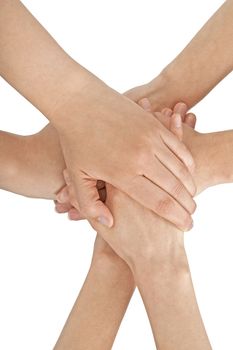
[167, 289]
[96, 316]
[154, 250]
[206, 60]
[83, 109]
[32, 165]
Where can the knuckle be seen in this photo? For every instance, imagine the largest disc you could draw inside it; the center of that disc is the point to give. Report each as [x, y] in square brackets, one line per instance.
[177, 189]
[164, 206]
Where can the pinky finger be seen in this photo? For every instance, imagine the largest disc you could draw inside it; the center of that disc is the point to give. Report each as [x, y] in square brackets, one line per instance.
[61, 208]
[75, 215]
[190, 120]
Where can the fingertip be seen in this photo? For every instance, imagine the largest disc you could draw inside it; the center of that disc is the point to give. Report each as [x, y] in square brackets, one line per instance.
[145, 104]
[191, 120]
[63, 196]
[167, 112]
[177, 120]
[181, 108]
[75, 215]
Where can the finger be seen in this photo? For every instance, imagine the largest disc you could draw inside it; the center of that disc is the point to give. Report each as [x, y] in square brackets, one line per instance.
[63, 195]
[181, 108]
[154, 198]
[62, 208]
[75, 215]
[191, 120]
[176, 167]
[89, 201]
[167, 112]
[179, 149]
[176, 126]
[162, 177]
[164, 119]
[145, 104]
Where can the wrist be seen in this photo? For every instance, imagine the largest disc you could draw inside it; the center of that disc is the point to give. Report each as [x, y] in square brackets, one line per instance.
[161, 91]
[166, 257]
[209, 152]
[112, 266]
[219, 146]
[168, 272]
[75, 98]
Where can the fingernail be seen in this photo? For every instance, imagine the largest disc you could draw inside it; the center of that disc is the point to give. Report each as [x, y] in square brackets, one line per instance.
[104, 221]
[178, 120]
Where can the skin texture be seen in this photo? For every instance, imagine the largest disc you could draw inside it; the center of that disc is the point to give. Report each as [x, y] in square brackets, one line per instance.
[151, 157]
[96, 316]
[148, 297]
[164, 263]
[216, 146]
[191, 72]
[170, 275]
[39, 176]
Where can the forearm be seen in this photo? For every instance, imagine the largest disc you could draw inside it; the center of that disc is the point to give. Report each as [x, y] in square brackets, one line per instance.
[213, 157]
[32, 165]
[11, 149]
[96, 316]
[206, 60]
[33, 62]
[154, 250]
[170, 301]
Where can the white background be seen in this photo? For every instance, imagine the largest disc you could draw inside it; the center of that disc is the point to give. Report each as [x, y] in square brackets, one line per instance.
[44, 257]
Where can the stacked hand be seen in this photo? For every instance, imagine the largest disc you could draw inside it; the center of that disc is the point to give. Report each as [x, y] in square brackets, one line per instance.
[131, 150]
[174, 120]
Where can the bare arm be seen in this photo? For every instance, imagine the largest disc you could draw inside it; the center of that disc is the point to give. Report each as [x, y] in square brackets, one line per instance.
[96, 316]
[161, 271]
[83, 109]
[106, 299]
[205, 61]
[32, 165]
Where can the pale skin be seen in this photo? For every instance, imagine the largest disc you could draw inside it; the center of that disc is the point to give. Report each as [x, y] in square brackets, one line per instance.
[205, 61]
[110, 264]
[160, 280]
[161, 92]
[167, 289]
[149, 156]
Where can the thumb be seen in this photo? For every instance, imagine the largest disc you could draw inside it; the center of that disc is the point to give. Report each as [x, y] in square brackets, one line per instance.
[89, 201]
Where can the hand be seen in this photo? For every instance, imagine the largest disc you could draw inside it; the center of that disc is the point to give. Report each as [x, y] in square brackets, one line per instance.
[140, 164]
[63, 202]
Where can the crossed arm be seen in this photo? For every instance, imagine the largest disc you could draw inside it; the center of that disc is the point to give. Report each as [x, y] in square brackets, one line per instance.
[156, 252]
[155, 91]
[160, 267]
